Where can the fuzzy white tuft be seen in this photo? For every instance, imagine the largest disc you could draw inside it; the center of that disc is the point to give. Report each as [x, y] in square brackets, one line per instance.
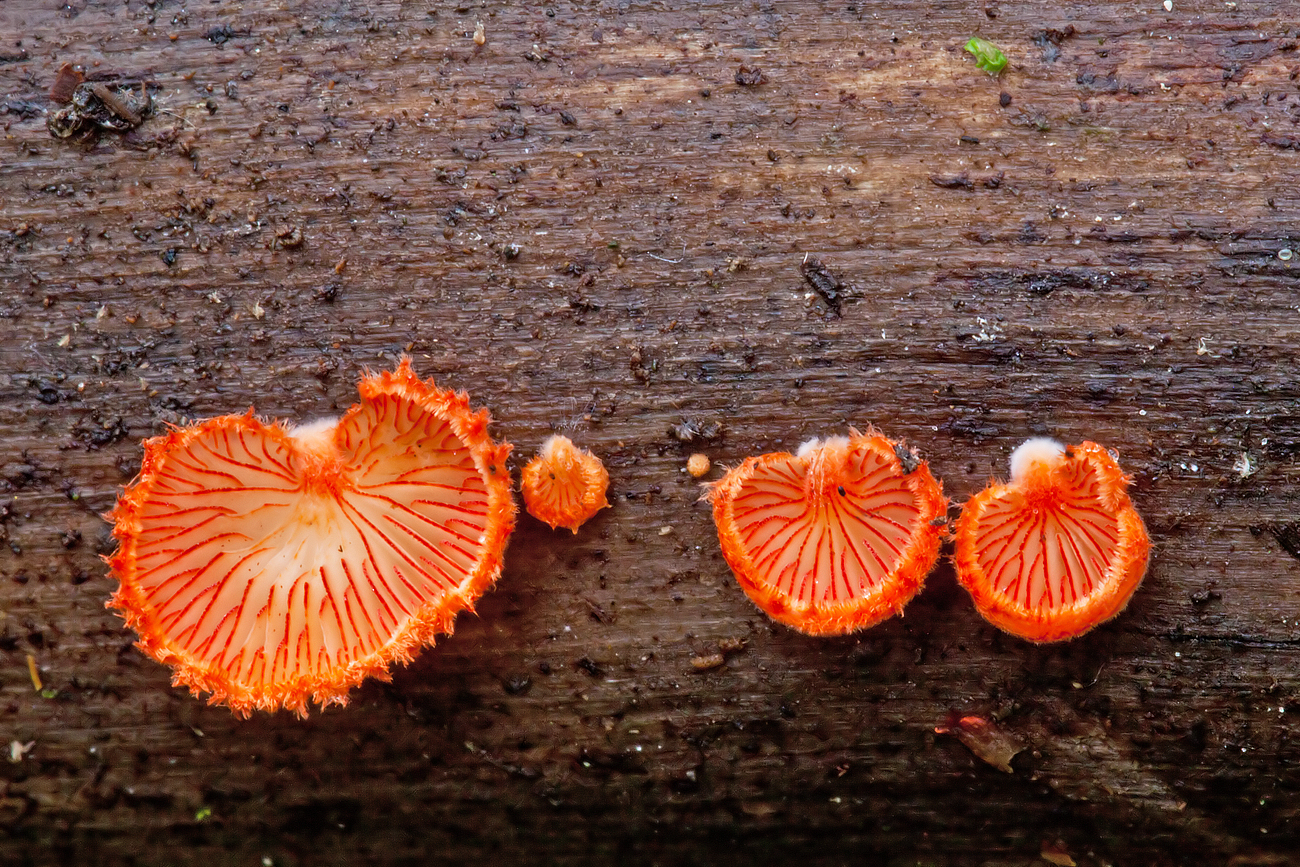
[315, 431]
[814, 444]
[1032, 451]
[554, 441]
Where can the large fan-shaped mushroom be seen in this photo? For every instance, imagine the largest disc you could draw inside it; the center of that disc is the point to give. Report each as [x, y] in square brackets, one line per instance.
[270, 565]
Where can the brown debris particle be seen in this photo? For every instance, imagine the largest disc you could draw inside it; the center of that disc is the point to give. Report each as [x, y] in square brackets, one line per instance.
[96, 105]
[732, 645]
[989, 743]
[287, 237]
[824, 283]
[116, 104]
[1281, 142]
[34, 673]
[749, 76]
[704, 663]
[726, 647]
[692, 429]
[1055, 853]
[907, 458]
[952, 182]
[65, 84]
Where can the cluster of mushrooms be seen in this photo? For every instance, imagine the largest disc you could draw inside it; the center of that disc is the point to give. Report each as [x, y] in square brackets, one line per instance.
[270, 566]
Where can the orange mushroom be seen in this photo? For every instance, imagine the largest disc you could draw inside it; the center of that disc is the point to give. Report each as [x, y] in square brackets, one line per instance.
[564, 485]
[1056, 551]
[269, 565]
[834, 538]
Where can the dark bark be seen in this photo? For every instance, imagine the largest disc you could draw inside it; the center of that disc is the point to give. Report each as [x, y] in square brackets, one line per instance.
[593, 225]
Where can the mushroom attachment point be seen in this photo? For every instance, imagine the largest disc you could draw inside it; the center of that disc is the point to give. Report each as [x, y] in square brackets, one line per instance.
[835, 538]
[564, 485]
[269, 565]
[1057, 550]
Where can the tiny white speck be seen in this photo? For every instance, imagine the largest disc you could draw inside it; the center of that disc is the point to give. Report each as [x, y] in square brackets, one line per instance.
[1169, 5]
[1178, 654]
[1142, 412]
[1284, 254]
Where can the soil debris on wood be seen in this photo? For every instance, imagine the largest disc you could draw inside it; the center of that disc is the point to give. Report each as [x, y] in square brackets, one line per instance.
[1288, 536]
[222, 33]
[696, 430]
[34, 673]
[953, 182]
[96, 105]
[707, 662]
[983, 738]
[1056, 853]
[65, 84]
[907, 458]
[726, 647]
[824, 283]
[288, 238]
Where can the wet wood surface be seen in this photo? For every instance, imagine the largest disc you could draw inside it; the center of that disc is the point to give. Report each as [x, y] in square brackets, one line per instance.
[595, 223]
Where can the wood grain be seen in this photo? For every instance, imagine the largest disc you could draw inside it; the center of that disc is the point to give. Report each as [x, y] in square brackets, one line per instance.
[591, 226]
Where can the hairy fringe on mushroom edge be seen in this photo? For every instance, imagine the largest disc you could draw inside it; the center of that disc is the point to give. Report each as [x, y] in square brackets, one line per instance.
[330, 685]
[884, 594]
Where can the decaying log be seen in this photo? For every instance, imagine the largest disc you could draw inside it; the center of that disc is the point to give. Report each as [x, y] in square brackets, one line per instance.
[600, 219]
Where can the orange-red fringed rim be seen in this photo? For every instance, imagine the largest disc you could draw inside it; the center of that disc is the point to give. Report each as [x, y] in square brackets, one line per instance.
[835, 538]
[270, 565]
[564, 485]
[1056, 551]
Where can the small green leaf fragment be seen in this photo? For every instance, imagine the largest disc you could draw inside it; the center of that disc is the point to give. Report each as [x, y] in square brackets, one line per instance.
[49, 693]
[202, 814]
[988, 56]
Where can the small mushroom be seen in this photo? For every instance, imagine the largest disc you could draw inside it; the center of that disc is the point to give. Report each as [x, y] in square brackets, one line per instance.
[835, 538]
[1057, 550]
[270, 565]
[564, 485]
